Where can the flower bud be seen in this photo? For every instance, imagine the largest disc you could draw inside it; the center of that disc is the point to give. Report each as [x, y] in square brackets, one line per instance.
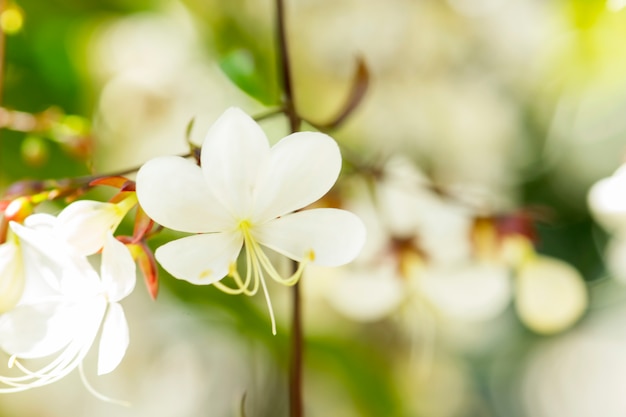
[85, 224]
[19, 209]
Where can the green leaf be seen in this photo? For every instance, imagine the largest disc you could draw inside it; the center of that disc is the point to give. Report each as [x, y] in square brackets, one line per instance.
[241, 66]
[242, 38]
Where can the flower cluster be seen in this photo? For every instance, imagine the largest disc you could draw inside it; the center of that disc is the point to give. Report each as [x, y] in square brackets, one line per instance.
[245, 195]
[55, 302]
[432, 256]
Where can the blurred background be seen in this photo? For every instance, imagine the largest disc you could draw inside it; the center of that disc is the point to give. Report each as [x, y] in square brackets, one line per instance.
[492, 283]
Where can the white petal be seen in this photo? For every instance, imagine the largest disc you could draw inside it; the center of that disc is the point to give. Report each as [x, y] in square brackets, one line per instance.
[85, 224]
[200, 259]
[607, 201]
[117, 270]
[40, 330]
[51, 264]
[445, 232]
[114, 339]
[404, 191]
[469, 292]
[173, 192]
[550, 295]
[301, 169]
[41, 221]
[23, 331]
[367, 294]
[12, 276]
[79, 280]
[234, 153]
[615, 255]
[42, 240]
[333, 237]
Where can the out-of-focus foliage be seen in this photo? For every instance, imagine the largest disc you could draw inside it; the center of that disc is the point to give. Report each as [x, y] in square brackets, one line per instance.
[242, 36]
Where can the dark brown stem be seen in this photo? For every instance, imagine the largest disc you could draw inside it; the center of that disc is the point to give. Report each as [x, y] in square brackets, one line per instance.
[269, 113]
[295, 373]
[285, 68]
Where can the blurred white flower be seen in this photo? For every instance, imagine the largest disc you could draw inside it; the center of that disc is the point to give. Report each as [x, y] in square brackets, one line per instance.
[366, 293]
[64, 305]
[607, 201]
[410, 208]
[615, 5]
[435, 256]
[581, 373]
[469, 292]
[423, 256]
[615, 257]
[242, 195]
[550, 295]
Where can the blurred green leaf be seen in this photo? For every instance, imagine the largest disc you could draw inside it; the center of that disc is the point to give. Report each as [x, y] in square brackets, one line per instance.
[361, 369]
[241, 67]
[242, 37]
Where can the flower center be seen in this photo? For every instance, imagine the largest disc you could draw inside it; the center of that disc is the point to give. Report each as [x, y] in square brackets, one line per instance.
[257, 265]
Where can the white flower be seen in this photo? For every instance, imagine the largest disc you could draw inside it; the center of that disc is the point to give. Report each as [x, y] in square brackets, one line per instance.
[470, 292]
[607, 203]
[242, 195]
[366, 294]
[64, 305]
[85, 224]
[615, 258]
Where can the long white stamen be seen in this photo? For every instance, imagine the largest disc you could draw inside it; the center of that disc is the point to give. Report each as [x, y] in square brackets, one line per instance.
[97, 394]
[256, 263]
[65, 363]
[267, 298]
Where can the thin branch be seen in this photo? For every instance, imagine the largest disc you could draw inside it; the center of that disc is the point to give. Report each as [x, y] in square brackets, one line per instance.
[26, 187]
[295, 374]
[20, 121]
[285, 68]
[360, 85]
[270, 113]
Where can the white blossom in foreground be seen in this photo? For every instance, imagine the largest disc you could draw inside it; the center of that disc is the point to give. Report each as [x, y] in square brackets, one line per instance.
[84, 227]
[244, 194]
[64, 305]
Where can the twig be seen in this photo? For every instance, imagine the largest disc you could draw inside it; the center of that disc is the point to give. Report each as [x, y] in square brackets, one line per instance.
[295, 374]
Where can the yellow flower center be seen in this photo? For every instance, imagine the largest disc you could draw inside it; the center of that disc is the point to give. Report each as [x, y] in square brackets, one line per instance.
[257, 265]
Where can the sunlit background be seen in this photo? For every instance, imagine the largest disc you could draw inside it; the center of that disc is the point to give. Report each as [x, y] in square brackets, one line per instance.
[492, 282]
